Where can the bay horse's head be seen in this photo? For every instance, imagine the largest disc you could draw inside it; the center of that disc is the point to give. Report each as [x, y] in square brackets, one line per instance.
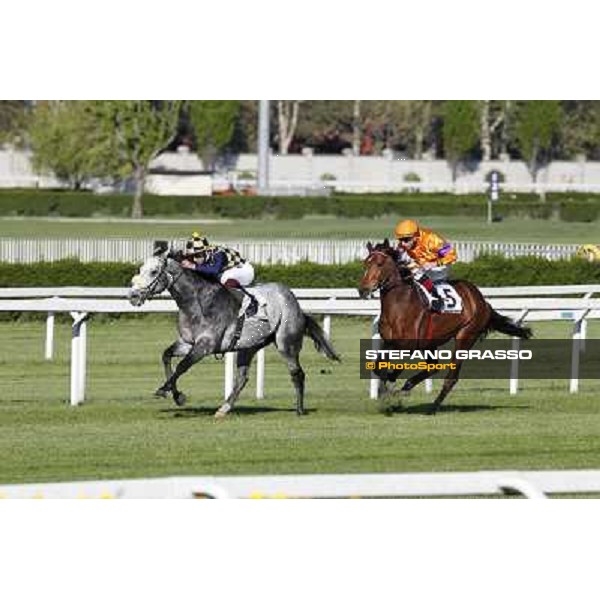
[380, 267]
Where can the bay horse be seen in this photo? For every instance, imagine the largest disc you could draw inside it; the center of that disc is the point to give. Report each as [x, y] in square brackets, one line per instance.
[406, 322]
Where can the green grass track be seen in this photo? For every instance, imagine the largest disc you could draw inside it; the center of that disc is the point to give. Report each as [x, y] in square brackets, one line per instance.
[123, 432]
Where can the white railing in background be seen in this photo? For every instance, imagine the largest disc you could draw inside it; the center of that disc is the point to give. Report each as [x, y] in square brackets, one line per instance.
[513, 301]
[531, 484]
[262, 252]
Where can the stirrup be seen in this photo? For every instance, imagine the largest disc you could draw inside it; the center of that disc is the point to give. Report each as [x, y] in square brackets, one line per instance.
[437, 304]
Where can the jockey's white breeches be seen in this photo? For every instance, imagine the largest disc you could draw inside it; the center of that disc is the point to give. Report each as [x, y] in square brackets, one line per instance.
[436, 274]
[243, 273]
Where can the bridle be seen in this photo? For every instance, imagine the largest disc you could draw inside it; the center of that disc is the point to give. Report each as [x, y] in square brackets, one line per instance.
[384, 286]
[150, 289]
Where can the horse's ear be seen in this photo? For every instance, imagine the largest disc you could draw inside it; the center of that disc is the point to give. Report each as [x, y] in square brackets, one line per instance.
[386, 243]
[369, 247]
[160, 247]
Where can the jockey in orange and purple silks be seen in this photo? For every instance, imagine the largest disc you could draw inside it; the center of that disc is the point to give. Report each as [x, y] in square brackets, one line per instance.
[427, 254]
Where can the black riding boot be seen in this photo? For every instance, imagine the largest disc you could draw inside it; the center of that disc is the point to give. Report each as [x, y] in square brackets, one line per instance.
[437, 303]
[253, 306]
[237, 289]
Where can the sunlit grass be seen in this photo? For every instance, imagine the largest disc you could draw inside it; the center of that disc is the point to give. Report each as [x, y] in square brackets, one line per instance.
[122, 431]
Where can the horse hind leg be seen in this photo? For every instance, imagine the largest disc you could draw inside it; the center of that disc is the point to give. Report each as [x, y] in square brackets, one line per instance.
[244, 360]
[177, 348]
[291, 355]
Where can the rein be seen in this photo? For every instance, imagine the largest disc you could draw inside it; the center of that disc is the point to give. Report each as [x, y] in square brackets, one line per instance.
[151, 287]
[386, 286]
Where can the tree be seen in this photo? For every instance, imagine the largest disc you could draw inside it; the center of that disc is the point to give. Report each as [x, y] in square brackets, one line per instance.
[580, 128]
[137, 130]
[493, 116]
[66, 139]
[460, 131]
[13, 119]
[213, 122]
[287, 121]
[536, 124]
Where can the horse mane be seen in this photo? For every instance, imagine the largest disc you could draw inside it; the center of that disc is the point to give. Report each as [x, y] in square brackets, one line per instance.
[394, 254]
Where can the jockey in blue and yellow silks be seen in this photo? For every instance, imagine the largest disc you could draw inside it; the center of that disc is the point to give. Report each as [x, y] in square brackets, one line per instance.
[427, 254]
[223, 264]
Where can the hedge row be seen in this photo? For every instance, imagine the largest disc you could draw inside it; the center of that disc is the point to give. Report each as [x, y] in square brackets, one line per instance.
[491, 270]
[35, 203]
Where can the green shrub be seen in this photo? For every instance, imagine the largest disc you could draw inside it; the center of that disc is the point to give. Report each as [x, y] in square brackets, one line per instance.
[36, 203]
[489, 270]
[577, 211]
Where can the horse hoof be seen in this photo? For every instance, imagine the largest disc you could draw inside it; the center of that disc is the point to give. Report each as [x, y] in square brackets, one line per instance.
[223, 411]
[301, 413]
[160, 393]
[180, 399]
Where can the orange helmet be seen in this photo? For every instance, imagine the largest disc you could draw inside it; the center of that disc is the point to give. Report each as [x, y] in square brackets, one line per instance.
[407, 228]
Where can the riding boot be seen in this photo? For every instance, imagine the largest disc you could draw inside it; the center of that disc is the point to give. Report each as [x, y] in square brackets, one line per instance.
[437, 303]
[252, 309]
[253, 306]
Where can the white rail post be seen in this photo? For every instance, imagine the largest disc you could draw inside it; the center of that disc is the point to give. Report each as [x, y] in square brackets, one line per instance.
[327, 326]
[583, 325]
[78, 358]
[428, 385]
[374, 381]
[576, 351]
[327, 321]
[260, 374]
[82, 358]
[514, 365]
[229, 372]
[49, 350]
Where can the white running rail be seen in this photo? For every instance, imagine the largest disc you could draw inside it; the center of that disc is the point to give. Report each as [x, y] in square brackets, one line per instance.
[531, 484]
[326, 302]
[262, 252]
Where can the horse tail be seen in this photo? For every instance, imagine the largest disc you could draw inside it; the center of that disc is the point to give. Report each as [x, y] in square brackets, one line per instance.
[313, 330]
[507, 326]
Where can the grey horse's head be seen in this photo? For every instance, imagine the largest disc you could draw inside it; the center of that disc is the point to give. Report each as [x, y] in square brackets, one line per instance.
[152, 279]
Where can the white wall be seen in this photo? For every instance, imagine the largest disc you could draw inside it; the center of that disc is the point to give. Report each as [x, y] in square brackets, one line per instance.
[370, 171]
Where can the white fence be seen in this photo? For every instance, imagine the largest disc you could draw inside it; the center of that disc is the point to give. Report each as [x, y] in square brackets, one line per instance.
[513, 301]
[531, 484]
[267, 251]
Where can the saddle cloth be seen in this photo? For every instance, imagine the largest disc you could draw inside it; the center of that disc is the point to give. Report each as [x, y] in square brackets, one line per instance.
[452, 300]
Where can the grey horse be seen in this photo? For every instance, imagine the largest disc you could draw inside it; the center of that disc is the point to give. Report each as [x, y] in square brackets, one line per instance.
[208, 318]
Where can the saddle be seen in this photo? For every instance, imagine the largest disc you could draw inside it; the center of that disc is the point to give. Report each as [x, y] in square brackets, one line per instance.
[452, 302]
[252, 307]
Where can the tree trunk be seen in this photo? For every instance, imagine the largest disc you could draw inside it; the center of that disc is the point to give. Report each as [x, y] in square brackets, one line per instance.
[485, 132]
[419, 136]
[137, 209]
[356, 128]
[504, 131]
[287, 116]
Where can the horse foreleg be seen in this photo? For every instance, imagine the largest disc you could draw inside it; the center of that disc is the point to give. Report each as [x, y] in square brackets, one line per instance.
[451, 379]
[417, 378]
[178, 348]
[197, 352]
[449, 382]
[244, 359]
